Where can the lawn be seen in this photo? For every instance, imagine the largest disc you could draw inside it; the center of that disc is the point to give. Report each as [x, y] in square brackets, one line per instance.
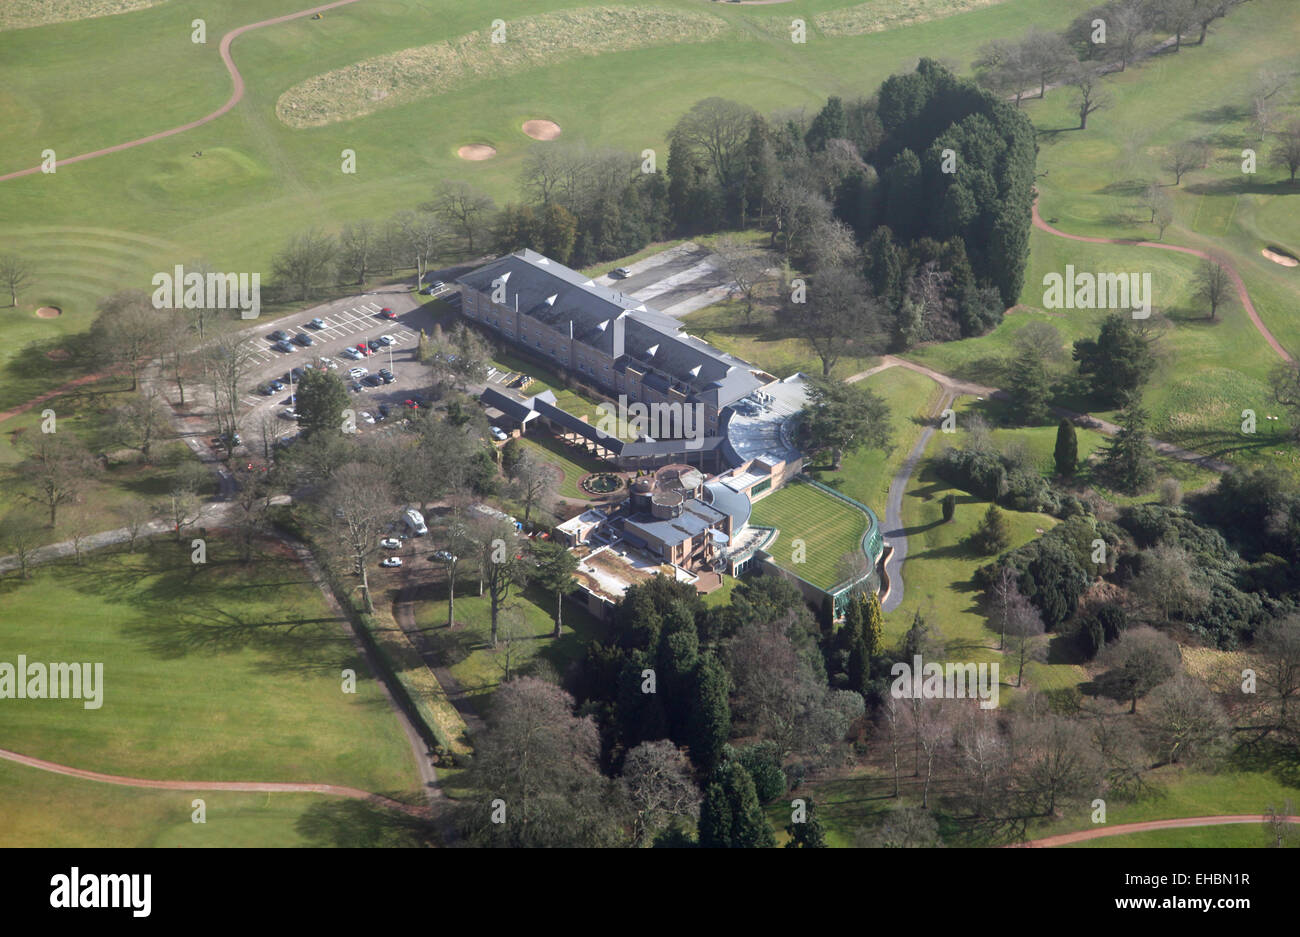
[1236, 836]
[866, 473]
[1179, 792]
[572, 463]
[52, 811]
[211, 672]
[938, 571]
[828, 527]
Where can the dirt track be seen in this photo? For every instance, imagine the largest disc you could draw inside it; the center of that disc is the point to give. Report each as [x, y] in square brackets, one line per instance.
[236, 94]
[1123, 828]
[1237, 282]
[251, 786]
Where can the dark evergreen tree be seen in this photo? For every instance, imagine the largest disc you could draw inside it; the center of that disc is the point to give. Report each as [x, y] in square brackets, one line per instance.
[1067, 449]
[708, 722]
[809, 834]
[829, 124]
[1029, 389]
[1128, 461]
[731, 817]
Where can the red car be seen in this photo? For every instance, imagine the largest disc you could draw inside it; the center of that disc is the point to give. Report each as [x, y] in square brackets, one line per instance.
[387, 313]
[364, 349]
[411, 405]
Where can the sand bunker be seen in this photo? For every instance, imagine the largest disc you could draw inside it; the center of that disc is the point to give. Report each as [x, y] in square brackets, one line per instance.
[542, 129]
[49, 312]
[1279, 256]
[476, 151]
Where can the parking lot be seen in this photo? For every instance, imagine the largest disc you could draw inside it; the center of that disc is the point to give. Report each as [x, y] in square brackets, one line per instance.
[345, 324]
[676, 281]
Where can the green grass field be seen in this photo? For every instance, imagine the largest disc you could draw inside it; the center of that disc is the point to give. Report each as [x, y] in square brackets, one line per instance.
[211, 672]
[828, 527]
[44, 810]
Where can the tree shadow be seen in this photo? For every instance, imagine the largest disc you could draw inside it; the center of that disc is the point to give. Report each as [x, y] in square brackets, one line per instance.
[354, 824]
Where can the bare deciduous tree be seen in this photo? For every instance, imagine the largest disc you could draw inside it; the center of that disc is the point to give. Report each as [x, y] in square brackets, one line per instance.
[657, 780]
[464, 210]
[1213, 285]
[15, 274]
[356, 511]
[746, 267]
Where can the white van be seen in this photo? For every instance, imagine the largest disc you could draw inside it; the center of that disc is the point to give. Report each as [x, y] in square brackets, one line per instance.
[415, 522]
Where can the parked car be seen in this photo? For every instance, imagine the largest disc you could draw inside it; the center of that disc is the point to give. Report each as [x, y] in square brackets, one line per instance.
[387, 340]
[372, 380]
[384, 410]
[356, 387]
[289, 413]
[620, 273]
[267, 390]
[358, 373]
[303, 339]
[391, 562]
[374, 344]
[220, 441]
[387, 313]
[443, 556]
[350, 352]
[415, 522]
[329, 363]
[283, 345]
[367, 417]
[276, 385]
[498, 433]
[364, 349]
[278, 335]
[317, 323]
[391, 543]
[387, 375]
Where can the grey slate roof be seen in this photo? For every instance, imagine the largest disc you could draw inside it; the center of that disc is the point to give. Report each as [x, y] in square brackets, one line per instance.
[617, 326]
[695, 519]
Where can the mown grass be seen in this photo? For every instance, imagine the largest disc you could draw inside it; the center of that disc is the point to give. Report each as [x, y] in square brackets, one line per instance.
[828, 527]
[866, 473]
[572, 463]
[938, 571]
[44, 810]
[1234, 836]
[211, 672]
